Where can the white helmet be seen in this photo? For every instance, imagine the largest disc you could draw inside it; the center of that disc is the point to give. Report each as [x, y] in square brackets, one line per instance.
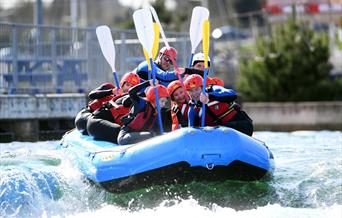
[199, 57]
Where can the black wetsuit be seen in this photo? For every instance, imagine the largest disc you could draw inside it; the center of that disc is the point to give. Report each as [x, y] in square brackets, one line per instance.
[103, 91]
[101, 124]
[139, 105]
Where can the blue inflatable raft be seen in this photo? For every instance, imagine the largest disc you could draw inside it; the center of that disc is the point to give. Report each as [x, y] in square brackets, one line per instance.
[188, 154]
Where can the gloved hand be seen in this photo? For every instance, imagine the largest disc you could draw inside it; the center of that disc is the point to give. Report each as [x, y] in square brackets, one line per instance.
[175, 108]
[204, 98]
[116, 91]
[192, 103]
[237, 106]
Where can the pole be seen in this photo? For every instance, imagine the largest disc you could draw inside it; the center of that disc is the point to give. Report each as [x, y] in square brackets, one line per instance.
[38, 19]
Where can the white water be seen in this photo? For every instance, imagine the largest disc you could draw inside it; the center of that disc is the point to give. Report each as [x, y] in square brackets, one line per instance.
[191, 208]
[307, 182]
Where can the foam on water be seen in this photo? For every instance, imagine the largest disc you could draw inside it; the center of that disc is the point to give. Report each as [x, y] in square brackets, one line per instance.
[191, 208]
[38, 181]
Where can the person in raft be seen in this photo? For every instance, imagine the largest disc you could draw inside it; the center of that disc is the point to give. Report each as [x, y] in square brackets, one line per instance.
[180, 108]
[221, 108]
[198, 68]
[142, 121]
[163, 65]
[105, 123]
[96, 102]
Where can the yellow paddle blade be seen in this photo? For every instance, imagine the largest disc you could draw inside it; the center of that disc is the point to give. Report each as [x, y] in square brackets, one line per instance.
[205, 41]
[156, 40]
[147, 59]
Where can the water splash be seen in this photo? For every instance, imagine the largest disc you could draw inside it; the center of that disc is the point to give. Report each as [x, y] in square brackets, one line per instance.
[38, 181]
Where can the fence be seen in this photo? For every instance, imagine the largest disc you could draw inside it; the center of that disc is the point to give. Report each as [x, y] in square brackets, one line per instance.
[51, 59]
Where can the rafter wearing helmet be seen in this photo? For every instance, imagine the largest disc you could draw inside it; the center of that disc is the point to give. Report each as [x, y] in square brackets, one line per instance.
[198, 68]
[141, 123]
[165, 74]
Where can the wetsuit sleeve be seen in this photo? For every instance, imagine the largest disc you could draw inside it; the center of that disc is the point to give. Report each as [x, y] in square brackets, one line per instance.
[126, 101]
[190, 71]
[142, 70]
[100, 92]
[219, 93]
[166, 76]
[120, 100]
[138, 102]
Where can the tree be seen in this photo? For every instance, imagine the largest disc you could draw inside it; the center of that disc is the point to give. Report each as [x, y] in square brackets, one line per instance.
[292, 64]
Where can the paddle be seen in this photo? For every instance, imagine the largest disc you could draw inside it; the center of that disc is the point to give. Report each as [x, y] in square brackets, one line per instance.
[199, 14]
[144, 27]
[155, 46]
[205, 44]
[155, 16]
[106, 42]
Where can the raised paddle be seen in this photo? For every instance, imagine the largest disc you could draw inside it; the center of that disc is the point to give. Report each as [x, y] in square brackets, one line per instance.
[205, 44]
[155, 48]
[144, 27]
[155, 17]
[106, 42]
[199, 14]
[155, 44]
[176, 69]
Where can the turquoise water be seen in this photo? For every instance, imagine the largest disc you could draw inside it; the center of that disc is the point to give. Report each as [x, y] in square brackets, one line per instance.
[38, 181]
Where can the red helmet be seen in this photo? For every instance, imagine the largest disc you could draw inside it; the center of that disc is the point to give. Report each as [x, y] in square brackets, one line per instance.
[169, 51]
[193, 81]
[173, 86]
[162, 93]
[218, 81]
[210, 81]
[130, 77]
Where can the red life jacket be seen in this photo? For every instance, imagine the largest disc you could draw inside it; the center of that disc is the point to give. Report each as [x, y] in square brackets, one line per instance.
[175, 123]
[97, 103]
[144, 120]
[218, 113]
[118, 111]
[184, 109]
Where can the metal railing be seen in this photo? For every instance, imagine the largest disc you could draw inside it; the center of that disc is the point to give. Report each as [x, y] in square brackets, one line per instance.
[54, 59]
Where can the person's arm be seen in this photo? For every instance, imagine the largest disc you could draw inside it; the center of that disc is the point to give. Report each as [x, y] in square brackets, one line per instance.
[142, 70]
[135, 90]
[219, 93]
[121, 99]
[190, 71]
[101, 92]
[125, 101]
[166, 76]
[137, 102]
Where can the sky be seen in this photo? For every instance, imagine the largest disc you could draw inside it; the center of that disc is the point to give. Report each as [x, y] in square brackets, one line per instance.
[170, 4]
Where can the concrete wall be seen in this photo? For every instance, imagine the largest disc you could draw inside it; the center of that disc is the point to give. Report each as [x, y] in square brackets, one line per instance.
[295, 116]
[50, 106]
[25, 117]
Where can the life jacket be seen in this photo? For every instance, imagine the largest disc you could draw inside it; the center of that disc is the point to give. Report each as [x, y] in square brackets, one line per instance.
[144, 120]
[218, 113]
[97, 103]
[118, 111]
[184, 111]
[175, 123]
